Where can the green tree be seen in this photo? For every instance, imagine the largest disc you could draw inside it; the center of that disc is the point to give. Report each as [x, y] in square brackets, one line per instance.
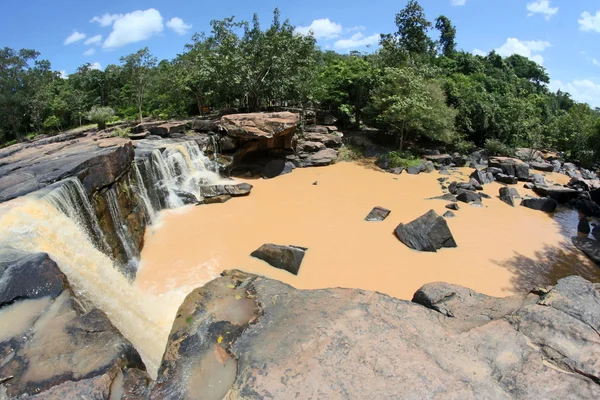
[138, 70]
[412, 29]
[447, 41]
[101, 115]
[409, 106]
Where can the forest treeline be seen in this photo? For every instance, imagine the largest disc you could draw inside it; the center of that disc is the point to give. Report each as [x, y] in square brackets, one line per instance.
[412, 87]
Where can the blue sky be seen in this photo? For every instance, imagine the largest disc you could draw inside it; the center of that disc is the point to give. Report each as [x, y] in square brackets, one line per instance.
[564, 35]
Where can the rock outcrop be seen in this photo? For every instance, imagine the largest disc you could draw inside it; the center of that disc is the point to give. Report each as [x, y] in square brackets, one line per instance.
[51, 347]
[429, 233]
[559, 193]
[511, 167]
[97, 160]
[541, 204]
[250, 337]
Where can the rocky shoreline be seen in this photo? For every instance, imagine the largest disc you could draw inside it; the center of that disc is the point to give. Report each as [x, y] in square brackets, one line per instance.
[243, 336]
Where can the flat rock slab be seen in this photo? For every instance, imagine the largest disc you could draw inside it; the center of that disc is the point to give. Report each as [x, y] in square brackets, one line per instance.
[559, 193]
[260, 125]
[288, 258]
[542, 166]
[98, 160]
[378, 214]
[428, 233]
[449, 343]
[235, 190]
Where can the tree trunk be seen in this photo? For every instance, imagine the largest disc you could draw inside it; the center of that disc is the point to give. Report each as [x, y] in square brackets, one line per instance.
[357, 117]
[140, 110]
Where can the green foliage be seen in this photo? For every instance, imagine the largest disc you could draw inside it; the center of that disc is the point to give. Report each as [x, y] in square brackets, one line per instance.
[52, 123]
[101, 116]
[447, 41]
[495, 147]
[412, 29]
[122, 132]
[404, 159]
[408, 106]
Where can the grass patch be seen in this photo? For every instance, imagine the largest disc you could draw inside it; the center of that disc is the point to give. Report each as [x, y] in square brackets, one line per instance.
[397, 159]
[124, 133]
[350, 153]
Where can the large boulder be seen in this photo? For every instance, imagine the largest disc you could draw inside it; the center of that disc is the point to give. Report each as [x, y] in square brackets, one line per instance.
[542, 166]
[508, 195]
[276, 168]
[510, 166]
[429, 233]
[468, 196]
[559, 193]
[288, 258]
[247, 337]
[98, 160]
[234, 189]
[205, 125]
[260, 125]
[50, 346]
[541, 204]
[483, 177]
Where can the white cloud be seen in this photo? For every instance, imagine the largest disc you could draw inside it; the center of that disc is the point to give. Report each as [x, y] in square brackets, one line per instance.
[134, 27]
[93, 40]
[177, 24]
[583, 90]
[589, 22]
[596, 62]
[89, 52]
[541, 7]
[106, 19]
[357, 40]
[63, 74]
[478, 52]
[321, 29]
[74, 37]
[526, 48]
[458, 2]
[96, 65]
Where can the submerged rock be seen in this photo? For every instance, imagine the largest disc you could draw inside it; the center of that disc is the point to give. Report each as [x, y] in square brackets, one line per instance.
[186, 197]
[449, 214]
[429, 233]
[288, 258]
[378, 214]
[235, 190]
[216, 200]
[244, 336]
[468, 196]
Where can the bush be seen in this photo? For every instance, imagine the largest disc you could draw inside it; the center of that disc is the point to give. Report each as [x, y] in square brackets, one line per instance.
[464, 147]
[101, 115]
[52, 123]
[350, 153]
[122, 132]
[397, 159]
[495, 147]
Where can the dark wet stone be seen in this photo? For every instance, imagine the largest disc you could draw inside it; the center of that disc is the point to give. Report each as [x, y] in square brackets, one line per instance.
[449, 214]
[506, 196]
[507, 179]
[542, 166]
[445, 197]
[426, 233]
[288, 258]
[590, 247]
[276, 168]
[559, 193]
[467, 196]
[453, 206]
[584, 225]
[540, 204]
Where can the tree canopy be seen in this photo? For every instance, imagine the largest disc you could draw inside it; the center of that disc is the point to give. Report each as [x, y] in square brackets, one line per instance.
[413, 86]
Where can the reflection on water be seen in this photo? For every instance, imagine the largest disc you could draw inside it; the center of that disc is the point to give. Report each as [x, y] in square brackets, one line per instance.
[501, 250]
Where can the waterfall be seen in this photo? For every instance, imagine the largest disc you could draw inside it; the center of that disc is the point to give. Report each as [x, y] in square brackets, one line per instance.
[215, 153]
[69, 196]
[142, 192]
[120, 226]
[35, 223]
[164, 179]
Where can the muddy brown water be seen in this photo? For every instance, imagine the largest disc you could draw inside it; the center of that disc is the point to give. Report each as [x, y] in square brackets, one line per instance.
[501, 250]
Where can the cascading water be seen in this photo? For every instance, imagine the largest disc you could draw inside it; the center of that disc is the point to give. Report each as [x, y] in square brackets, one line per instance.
[60, 221]
[35, 223]
[215, 147]
[69, 197]
[142, 192]
[120, 226]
